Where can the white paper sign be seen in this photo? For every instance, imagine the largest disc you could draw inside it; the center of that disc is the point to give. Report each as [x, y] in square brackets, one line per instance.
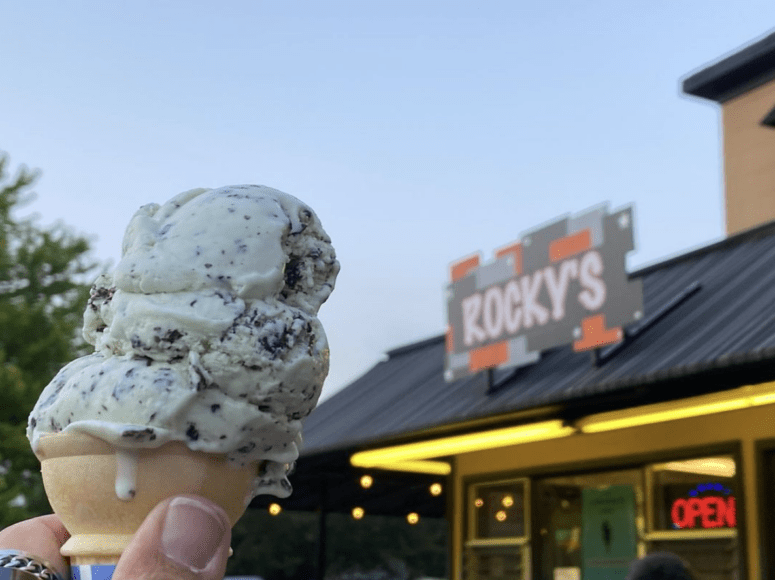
[567, 573]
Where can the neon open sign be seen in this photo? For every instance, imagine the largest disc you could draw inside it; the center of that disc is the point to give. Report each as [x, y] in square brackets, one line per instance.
[710, 511]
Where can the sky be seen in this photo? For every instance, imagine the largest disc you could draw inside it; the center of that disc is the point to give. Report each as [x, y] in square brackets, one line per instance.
[420, 131]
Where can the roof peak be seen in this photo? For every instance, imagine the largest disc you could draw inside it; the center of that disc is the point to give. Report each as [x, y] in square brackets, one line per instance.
[735, 74]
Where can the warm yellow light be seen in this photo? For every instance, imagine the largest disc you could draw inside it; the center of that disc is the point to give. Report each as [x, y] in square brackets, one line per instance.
[428, 467]
[366, 481]
[478, 502]
[507, 501]
[445, 446]
[358, 513]
[275, 509]
[501, 516]
[435, 489]
[740, 398]
[606, 422]
[712, 466]
[763, 399]
[412, 518]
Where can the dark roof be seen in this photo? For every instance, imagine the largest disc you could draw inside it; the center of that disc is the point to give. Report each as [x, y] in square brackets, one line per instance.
[709, 325]
[769, 119]
[736, 74]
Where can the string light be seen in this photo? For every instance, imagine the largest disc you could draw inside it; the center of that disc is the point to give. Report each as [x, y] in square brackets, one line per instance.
[412, 518]
[358, 513]
[478, 502]
[367, 481]
[275, 509]
[500, 516]
[507, 501]
[435, 489]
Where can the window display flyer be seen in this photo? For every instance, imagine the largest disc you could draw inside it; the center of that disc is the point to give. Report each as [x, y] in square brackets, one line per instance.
[609, 538]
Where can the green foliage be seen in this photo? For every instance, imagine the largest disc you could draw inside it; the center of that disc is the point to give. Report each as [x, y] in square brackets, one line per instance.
[285, 547]
[275, 548]
[384, 547]
[43, 289]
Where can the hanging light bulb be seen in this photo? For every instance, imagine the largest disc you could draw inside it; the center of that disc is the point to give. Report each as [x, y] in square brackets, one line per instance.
[501, 516]
[478, 502]
[358, 513]
[412, 518]
[435, 489]
[275, 509]
[507, 501]
[366, 481]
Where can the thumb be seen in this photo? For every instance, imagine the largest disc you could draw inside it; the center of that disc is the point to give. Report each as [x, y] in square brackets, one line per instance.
[183, 538]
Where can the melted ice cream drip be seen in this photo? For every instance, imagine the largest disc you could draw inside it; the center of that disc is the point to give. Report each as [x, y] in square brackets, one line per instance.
[126, 474]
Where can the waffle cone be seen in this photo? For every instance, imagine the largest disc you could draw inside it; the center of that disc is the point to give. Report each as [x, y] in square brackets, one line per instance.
[80, 475]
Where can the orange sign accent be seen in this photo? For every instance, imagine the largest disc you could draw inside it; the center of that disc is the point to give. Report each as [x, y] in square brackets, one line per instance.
[594, 333]
[569, 245]
[488, 356]
[450, 342]
[461, 269]
[516, 251]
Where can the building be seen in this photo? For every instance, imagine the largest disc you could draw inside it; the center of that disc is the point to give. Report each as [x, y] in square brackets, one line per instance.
[570, 467]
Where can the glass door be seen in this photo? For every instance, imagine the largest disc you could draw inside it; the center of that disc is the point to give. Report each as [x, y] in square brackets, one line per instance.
[589, 525]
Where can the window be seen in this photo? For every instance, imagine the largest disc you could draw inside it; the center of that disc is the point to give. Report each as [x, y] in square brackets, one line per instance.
[693, 513]
[694, 494]
[499, 510]
[498, 531]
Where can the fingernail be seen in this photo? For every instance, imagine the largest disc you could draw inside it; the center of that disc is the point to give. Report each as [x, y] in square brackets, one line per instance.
[192, 533]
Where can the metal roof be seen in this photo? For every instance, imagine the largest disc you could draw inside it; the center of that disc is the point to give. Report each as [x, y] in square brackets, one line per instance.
[709, 325]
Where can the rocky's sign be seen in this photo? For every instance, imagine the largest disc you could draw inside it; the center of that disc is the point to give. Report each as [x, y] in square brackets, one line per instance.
[563, 283]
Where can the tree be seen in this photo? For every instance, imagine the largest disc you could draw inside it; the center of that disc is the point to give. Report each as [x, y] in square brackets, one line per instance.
[43, 290]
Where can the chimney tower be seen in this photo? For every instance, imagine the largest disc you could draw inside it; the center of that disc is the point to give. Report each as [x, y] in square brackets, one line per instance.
[744, 85]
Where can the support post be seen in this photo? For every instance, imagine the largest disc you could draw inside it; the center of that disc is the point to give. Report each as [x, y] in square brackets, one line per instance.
[321, 563]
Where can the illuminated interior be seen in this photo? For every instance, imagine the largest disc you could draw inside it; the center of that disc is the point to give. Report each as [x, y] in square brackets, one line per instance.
[712, 466]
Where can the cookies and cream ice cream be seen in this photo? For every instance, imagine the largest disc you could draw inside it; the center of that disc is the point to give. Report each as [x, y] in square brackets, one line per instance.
[206, 332]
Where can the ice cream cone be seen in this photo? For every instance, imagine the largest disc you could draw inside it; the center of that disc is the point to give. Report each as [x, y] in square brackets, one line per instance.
[86, 478]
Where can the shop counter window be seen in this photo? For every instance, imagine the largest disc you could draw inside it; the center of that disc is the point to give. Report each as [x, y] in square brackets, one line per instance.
[495, 562]
[694, 514]
[499, 510]
[498, 531]
[694, 494]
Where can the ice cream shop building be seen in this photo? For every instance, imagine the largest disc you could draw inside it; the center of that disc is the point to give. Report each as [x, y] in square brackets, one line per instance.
[579, 416]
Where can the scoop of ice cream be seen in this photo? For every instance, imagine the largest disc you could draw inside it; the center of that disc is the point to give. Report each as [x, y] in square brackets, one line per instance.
[206, 332]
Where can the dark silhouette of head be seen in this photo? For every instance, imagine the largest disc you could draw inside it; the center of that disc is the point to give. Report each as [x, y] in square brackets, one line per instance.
[660, 566]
